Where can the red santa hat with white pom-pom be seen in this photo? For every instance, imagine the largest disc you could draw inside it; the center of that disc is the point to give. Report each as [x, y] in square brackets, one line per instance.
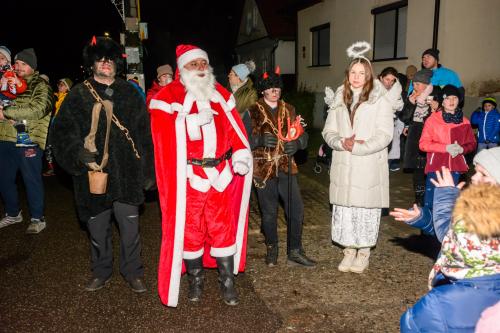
[186, 53]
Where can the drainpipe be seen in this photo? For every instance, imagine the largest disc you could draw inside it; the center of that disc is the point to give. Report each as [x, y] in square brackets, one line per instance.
[437, 6]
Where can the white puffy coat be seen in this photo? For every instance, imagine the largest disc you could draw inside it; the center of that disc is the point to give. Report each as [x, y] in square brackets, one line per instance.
[361, 178]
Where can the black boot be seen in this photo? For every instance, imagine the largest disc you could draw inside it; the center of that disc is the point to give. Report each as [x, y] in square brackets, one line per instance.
[297, 257]
[226, 279]
[194, 269]
[272, 255]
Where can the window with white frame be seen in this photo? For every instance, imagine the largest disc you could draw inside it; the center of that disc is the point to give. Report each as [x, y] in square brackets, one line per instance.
[320, 45]
[389, 41]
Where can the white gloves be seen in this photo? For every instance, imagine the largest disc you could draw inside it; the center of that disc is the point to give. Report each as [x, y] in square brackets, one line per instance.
[240, 167]
[205, 116]
[454, 149]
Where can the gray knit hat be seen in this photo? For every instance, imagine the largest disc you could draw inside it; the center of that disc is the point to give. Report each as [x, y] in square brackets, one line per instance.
[27, 56]
[490, 160]
[423, 76]
[6, 52]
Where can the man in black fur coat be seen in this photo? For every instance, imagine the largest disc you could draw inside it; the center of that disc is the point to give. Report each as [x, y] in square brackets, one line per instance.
[130, 165]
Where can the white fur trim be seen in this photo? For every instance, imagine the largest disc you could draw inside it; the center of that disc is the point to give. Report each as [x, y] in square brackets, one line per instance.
[180, 213]
[196, 182]
[160, 105]
[190, 56]
[193, 254]
[193, 129]
[231, 102]
[245, 199]
[223, 179]
[209, 140]
[219, 252]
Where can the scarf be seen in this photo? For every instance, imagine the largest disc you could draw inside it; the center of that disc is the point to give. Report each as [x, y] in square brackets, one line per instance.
[465, 255]
[422, 109]
[455, 118]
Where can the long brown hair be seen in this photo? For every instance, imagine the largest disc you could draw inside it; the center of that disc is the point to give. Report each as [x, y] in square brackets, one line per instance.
[367, 87]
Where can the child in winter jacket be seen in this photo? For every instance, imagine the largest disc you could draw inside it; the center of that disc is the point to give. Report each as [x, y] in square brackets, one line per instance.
[465, 279]
[12, 85]
[487, 121]
[447, 136]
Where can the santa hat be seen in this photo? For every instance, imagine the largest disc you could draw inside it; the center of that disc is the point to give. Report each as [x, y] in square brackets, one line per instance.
[187, 53]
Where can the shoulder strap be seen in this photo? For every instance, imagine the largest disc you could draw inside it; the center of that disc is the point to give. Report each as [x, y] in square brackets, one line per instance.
[113, 117]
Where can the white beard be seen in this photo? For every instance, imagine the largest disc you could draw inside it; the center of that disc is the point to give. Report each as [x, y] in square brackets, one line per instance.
[202, 87]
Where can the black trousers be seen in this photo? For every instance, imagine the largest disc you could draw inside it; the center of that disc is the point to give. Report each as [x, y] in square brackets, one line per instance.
[269, 198]
[419, 180]
[101, 247]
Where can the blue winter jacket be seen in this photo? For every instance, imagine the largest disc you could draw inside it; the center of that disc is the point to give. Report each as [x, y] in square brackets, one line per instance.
[441, 76]
[453, 307]
[488, 124]
[438, 221]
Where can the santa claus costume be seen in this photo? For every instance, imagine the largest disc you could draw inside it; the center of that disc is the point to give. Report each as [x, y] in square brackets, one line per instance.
[201, 153]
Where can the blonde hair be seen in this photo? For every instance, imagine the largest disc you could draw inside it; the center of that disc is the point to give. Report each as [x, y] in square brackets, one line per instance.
[367, 87]
[479, 209]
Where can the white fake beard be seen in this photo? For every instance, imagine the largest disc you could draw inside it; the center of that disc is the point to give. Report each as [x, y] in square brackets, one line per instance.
[202, 87]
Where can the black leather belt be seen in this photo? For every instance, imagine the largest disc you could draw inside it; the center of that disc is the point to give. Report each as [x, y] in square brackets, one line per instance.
[211, 162]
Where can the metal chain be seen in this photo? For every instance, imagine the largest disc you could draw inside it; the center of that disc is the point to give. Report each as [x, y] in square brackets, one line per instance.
[115, 120]
[275, 158]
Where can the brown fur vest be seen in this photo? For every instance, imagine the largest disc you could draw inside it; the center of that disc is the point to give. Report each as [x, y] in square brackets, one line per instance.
[267, 160]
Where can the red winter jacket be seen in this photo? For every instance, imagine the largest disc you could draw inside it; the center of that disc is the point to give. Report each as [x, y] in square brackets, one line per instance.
[155, 87]
[437, 134]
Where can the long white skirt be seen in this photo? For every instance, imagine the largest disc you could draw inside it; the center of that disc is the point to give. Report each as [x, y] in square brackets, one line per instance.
[355, 227]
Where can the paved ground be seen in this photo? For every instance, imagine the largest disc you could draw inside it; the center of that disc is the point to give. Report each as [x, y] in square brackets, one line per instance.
[42, 277]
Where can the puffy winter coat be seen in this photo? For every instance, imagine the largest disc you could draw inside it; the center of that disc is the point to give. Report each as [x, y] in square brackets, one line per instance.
[34, 106]
[437, 134]
[361, 178]
[488, 124]
[453, 307]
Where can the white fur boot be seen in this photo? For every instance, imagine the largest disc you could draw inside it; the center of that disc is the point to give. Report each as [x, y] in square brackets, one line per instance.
[346, 263]
[361, 262]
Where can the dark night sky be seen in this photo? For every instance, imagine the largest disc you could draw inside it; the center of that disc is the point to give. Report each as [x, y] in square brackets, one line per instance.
[58, 30]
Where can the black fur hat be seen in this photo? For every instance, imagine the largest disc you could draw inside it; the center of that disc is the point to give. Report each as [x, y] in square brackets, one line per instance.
[269, 80]
[103, 47]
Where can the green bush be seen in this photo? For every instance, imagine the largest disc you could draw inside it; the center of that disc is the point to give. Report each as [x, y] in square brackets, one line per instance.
[303, 101]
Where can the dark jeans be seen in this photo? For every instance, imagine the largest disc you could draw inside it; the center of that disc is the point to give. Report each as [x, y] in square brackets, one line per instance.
[277, 188]
[429, 187]
[99, 227]
[29, 162]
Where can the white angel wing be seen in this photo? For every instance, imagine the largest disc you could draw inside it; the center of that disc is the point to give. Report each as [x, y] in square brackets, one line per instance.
[329, 96]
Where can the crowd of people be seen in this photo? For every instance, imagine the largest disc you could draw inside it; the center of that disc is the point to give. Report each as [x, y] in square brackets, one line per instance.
[204, 148]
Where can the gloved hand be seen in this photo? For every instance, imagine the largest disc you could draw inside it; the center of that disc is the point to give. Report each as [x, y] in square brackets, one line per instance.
[269, 140]
[454, 149]
[205, 116]
[241, 168]
[85, 156]
[291, 147]
[149, 184]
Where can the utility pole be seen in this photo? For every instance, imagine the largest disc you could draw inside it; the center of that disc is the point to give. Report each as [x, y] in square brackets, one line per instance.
[131, 39]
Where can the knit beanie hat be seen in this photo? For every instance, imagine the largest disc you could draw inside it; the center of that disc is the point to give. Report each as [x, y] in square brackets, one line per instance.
[27, 56]
[451, 90]
[490, 160]
[423, 76]
[490, 100]
[67, 82]
[6, 52]
[243, 70]
[432, 52]
[164, 69]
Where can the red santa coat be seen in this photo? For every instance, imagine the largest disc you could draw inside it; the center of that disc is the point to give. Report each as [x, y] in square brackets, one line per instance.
[173, 133]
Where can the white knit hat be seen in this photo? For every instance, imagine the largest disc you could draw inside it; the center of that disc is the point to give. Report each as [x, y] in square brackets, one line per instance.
[490, 160]
[6, 52]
